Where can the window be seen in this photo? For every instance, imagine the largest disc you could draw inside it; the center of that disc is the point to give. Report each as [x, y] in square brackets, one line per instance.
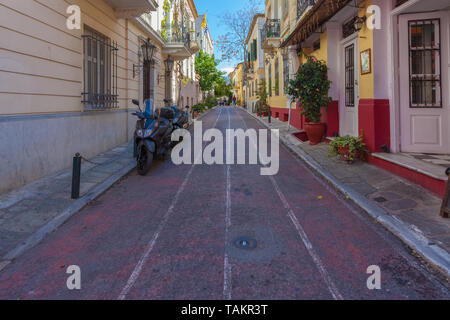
[350, 76]
[277, 77]
[285, 71]
[100, 71]
[425, 64]
[270, 81]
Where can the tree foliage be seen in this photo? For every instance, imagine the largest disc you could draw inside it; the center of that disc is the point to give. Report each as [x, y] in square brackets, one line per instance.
[262, 92]
[310, 87]
[206, 68]
[223, 88]
[232, 43]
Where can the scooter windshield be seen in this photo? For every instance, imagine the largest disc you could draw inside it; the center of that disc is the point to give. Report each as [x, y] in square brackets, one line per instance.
[148, 113]
[148, 109]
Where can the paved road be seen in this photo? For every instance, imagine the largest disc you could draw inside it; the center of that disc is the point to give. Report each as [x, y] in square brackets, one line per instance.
[170, 235]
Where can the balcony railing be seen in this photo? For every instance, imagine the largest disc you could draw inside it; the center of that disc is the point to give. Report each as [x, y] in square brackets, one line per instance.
[271, 29]
[179, 34]
[303, 5]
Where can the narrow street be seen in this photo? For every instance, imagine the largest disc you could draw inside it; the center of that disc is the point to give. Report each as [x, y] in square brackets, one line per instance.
[174, 234]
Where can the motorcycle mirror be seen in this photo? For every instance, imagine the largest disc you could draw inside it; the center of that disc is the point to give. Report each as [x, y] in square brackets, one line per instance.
[136, 102]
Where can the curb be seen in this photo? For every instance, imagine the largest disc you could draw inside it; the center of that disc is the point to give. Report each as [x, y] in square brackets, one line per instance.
[432, 253]
[60, 219]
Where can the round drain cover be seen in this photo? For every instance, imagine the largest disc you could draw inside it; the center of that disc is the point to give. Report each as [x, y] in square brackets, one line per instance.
[245, 243]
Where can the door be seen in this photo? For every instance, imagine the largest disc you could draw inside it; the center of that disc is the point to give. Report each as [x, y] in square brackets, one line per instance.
[350, 98]
[424, 84]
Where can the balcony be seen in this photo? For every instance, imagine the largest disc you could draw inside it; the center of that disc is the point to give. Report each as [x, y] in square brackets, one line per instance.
[303, 6]
[132, 8]
[181, 43]
[271, 35]
[250, 74]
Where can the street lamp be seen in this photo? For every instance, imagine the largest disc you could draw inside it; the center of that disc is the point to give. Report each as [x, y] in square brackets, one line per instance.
[359, 22]
[148, 50]
[169, 62]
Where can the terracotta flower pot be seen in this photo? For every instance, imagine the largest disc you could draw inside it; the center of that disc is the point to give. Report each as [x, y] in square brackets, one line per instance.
[195, 114]
[344, 152]
[346, 156]
[315, 132]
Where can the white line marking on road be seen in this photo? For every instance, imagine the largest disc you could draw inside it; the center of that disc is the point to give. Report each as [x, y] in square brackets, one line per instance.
[138, 269]
[227, 284]
[301, 232]
[326, 277]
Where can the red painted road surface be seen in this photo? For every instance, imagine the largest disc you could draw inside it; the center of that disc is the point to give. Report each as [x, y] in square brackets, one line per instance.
[170, 235]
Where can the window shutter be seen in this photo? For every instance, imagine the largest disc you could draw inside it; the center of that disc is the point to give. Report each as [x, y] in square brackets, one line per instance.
[254, 50]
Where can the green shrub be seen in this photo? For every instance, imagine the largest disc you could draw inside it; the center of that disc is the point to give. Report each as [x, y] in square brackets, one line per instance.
[211, 102]
[356, 148]
[310, 87]
[199, 108]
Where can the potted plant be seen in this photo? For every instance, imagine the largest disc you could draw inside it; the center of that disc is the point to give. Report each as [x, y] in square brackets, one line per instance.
[310, 87]
[262, 98]
[349, 148]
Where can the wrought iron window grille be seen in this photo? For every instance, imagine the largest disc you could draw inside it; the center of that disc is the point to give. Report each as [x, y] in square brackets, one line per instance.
[100, 72]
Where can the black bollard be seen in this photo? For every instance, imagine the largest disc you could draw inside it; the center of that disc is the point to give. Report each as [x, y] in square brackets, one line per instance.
[76, 173]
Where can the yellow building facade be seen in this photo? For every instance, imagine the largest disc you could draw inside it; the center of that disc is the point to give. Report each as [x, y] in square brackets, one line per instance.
[255, 62]
[236, 78]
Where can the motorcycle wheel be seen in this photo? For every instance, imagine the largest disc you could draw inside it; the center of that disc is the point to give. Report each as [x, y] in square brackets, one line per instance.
[144, 160]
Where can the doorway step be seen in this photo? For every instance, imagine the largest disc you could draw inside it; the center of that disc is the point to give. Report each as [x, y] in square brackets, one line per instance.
[423, 169]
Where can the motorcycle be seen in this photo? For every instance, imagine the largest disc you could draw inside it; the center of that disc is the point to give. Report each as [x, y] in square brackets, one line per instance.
[152, 137]
[180, 121]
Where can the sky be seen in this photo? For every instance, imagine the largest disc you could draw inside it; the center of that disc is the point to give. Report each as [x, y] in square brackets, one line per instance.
[215, 9]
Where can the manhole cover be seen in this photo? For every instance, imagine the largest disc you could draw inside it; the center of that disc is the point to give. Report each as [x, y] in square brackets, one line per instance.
[245, 243]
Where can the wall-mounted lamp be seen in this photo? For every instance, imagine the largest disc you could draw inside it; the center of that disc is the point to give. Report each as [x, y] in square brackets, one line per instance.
[169, 63]
[359, 23]
[147, 51]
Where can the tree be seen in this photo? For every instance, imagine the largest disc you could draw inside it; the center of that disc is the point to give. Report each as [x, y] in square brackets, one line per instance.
[262, 93]
[206, 68]
[310, 87]
[223, 88]
[232, 44]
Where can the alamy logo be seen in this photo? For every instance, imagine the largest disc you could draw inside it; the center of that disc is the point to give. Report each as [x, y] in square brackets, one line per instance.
[374, 21]
[374, 281]
[74, 280]
[215, 153]
[74, 20]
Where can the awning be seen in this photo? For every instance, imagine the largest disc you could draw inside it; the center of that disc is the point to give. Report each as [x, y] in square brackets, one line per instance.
[132, 8]
[320, 13]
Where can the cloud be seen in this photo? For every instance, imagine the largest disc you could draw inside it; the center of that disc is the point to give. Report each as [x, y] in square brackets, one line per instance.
[227, 70]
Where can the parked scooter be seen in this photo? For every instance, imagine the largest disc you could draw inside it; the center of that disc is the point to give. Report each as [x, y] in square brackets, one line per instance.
[181, 119]
[152, 137]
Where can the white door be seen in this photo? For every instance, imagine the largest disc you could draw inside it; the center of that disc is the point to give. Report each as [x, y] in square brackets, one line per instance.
[349, 100]
[424, 84]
